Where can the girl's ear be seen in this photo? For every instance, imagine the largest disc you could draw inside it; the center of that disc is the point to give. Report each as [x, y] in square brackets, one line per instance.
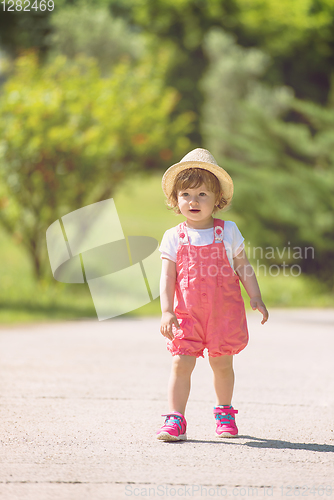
[218, 199]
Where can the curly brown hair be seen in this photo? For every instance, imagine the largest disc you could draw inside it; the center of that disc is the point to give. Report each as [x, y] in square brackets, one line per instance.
[191, 178]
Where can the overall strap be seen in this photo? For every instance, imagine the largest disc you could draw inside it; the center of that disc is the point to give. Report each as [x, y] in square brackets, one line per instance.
[218, 238]
[184, 243]
[219, 230]
[183, 234]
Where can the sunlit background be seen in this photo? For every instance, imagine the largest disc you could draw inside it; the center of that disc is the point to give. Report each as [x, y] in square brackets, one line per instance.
[99, 98]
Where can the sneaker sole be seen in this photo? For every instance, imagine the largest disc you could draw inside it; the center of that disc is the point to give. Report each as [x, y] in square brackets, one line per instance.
[227, 435]
[164, 436]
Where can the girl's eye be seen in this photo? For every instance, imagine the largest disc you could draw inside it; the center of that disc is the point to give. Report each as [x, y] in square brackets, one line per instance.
[202, 194]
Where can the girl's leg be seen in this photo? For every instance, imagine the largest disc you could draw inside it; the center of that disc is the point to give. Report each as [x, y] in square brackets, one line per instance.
[179, 382]
[223, 378]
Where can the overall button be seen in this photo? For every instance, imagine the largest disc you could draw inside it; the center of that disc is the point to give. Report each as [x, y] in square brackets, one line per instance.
[204, 294]
[202, 279]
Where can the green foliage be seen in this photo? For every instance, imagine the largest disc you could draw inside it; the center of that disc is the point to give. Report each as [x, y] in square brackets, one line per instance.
[90, 29]
[68, 137]
[298, 34]
[283, 170]
[179, 25]
[252, 119]
[282, 24]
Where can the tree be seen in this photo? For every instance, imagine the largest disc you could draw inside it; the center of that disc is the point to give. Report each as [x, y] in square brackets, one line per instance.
[180, 26]
[284, 171]
[298, 35]
[68, 137]
[93, 31]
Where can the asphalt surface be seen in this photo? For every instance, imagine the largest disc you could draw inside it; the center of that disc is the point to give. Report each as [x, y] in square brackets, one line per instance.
[81, 402]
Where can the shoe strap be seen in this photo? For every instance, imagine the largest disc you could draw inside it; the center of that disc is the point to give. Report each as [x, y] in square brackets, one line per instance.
[177, 419]
[223, 419]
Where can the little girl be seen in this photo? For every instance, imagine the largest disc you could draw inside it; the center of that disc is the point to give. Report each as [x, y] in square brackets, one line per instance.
[202, 261]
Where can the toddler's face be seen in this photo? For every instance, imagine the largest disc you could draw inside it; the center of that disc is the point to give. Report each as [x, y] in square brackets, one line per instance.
[196, 204]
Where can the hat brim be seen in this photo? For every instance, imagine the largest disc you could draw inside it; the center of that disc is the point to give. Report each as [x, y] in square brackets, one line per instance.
[225, 180]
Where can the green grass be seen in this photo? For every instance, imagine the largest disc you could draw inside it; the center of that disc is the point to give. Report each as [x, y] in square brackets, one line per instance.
[141, 208]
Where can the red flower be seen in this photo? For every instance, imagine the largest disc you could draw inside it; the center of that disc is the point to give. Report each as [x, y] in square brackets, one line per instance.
[218, 231]
[182, 235]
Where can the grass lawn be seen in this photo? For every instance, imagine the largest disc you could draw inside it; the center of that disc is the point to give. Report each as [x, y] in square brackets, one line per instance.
[142, 211]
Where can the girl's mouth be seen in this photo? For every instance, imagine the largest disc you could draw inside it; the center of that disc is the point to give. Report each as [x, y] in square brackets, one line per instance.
[194, 210]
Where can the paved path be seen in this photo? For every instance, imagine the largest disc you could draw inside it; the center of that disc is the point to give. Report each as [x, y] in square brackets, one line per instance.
[81, 401]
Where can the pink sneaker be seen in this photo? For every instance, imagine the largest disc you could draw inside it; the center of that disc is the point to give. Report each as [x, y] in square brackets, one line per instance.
[225, 419]
[174, 428]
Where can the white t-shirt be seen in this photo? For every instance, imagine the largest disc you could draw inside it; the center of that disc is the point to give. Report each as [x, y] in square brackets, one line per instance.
[233, 240]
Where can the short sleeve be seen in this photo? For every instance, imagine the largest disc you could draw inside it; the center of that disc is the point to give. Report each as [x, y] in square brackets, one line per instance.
[237, 240]
[169, 244]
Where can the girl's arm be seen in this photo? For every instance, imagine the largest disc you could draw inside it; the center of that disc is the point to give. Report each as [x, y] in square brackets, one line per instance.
[167, 289]
[247, 277]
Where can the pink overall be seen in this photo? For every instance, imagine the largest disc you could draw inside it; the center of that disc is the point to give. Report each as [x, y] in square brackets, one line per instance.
[207, 302]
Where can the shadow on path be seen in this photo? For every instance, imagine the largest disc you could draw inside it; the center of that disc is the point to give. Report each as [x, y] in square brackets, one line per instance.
[267, 443]
[275, 443]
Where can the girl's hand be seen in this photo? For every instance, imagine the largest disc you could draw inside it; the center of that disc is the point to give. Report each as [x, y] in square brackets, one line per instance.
[168, 319]
[257, 303]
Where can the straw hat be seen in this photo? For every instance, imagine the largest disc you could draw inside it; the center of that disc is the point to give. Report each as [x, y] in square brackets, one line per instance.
[199, 158]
